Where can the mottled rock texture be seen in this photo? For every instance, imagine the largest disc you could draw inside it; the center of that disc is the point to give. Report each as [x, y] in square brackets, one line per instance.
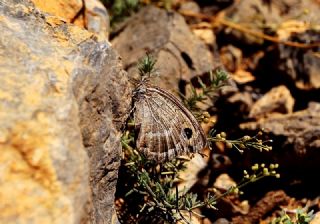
[253, 13]
[268, 203]
[180, 54]
[301, 129]
[63, 100]
[284, 62]
[278, 99]
[60, 8]
[89, 14]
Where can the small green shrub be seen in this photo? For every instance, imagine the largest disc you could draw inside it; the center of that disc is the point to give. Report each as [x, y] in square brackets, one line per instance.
[301, 216]
[150, 188]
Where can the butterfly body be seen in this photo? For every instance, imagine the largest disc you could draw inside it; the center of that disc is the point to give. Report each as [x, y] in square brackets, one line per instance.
[166, 128]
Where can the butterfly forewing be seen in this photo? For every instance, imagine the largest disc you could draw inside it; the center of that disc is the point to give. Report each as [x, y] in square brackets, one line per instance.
[166, 127]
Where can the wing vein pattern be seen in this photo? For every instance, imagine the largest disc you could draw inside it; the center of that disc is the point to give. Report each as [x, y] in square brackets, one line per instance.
[166, 127]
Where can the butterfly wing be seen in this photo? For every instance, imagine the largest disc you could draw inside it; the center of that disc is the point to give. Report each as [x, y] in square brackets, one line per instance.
[166, 127]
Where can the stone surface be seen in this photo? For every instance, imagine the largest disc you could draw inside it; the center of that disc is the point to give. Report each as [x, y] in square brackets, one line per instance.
[224, 182]
[189, 6]
[300, 129]
[89, 14]
[302, 66]
[231, 57]
[205, 34]
[259, 15]
[269, 202]
[60, 8]
[247, 11]
[63, 100]
[278, 99]
[97, 18]
[180, 55]
[104, 96]
[241, 100]
[284, 63]
[190, 175]
[221, 221]
[316, 218]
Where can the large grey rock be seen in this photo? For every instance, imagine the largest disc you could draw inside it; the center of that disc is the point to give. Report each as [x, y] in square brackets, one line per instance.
[180, 54]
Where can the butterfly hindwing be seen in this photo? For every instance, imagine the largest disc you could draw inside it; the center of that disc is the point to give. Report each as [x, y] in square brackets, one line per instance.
[167, 127]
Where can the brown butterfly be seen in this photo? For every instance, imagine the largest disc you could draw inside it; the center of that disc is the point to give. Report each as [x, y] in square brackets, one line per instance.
[167, 129]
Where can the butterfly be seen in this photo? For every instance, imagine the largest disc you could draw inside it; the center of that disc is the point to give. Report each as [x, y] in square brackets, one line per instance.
[166, 128]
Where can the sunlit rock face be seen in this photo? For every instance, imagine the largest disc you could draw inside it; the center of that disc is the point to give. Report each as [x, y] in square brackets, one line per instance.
[63, 100]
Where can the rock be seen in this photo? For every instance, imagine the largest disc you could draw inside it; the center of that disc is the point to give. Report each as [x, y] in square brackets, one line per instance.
[189, 176]
[222, 221]
[67, 10]
[265, 205]
[251, 14]
[104, 96]
[224, 182]
[233, 61]
[312, 66]
[301, 129]
[300, 65]
[261, 16]
[206, 221]
[97, 19]
[242, 76]
[60, 112]
[284, 63]
[164, 34]
[278, 99]
[231, 57]
[91, 15]
[316, 218]
[205, 33]
[190, 7]
[241, 100]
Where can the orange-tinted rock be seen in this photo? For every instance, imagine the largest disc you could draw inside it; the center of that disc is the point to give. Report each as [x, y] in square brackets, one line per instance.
[61, 8]
[44, 165]
[269, 202]
[316, 218]
[231, 57]
[57, 115]
[278, 99]
[92, 15]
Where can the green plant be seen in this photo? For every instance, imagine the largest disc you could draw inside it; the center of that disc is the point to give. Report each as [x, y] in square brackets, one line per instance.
[155, 182]
[301, 216]
[217, 79]
[120, 9]
[146, 66]
[245, 142]
[151, 187]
